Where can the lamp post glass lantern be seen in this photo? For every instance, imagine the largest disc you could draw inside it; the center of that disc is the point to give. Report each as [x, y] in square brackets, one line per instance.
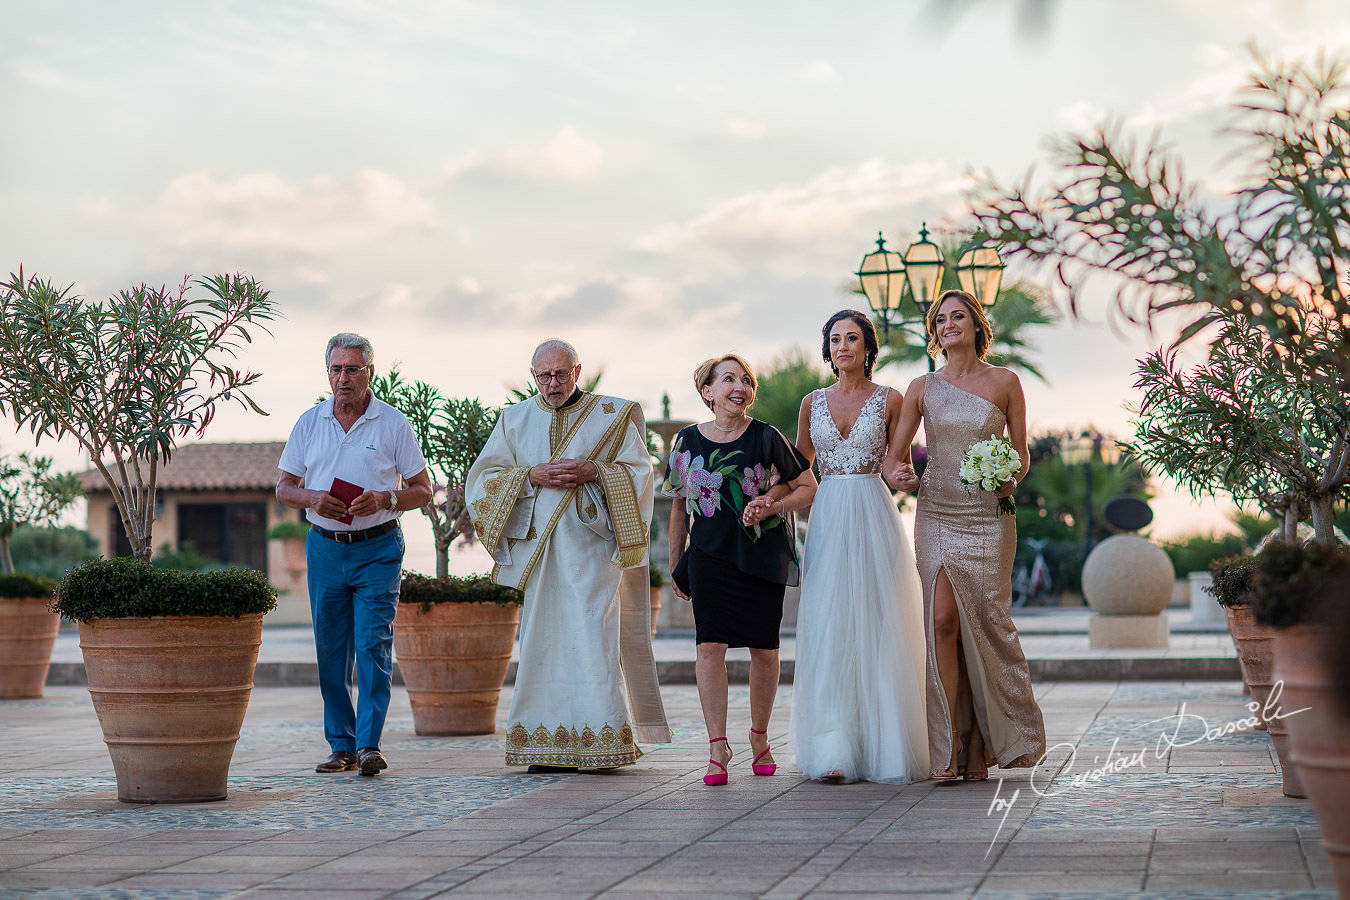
[886, 278]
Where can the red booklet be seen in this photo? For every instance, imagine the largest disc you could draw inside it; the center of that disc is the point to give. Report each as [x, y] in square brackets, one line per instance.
[346, 492]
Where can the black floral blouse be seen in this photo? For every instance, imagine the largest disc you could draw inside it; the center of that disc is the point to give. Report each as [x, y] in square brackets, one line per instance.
[717, 480]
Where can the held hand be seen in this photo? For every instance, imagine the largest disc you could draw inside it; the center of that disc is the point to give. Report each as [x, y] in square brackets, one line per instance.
[562, 473]
[572, 472]
[757, 510]
[1007, 490]
[369, 503]
[904, 478]
[329, 506]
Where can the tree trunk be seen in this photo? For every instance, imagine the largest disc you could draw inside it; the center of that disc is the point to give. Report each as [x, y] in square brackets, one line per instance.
[1324, 520]
[6, 561]
[1289, 527]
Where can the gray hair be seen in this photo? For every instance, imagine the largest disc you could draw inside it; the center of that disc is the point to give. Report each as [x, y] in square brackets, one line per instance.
[348, 341]
[555, 344]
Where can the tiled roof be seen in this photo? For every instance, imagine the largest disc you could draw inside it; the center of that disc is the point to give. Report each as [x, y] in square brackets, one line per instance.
[213, 467]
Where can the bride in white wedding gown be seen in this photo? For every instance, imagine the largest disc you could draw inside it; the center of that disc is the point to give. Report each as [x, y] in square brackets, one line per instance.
[858, 691]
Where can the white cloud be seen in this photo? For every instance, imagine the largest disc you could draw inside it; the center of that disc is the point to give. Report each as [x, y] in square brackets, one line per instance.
[262, 211]
[1222, 72]
[792, 217]
[1081, 116]
[815, 71]
[44, 75]
[745, 130]
[566, 156]
[608, 297]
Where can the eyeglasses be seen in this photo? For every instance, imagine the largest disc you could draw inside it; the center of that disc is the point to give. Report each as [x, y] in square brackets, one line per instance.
[553, 377]
[349, 371]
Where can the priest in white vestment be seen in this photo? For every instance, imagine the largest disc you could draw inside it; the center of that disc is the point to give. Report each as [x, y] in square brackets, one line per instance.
[561, 496]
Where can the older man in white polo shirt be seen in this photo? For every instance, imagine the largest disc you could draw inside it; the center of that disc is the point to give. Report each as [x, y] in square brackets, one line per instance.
[342, 465]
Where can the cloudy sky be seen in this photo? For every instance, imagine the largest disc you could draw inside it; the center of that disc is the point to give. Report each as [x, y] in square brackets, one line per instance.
[656, 182]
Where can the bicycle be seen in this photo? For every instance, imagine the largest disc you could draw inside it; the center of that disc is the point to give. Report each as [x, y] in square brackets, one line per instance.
[1032, 582]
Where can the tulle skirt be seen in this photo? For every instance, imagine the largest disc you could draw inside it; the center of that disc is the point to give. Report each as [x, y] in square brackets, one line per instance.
[858, 691]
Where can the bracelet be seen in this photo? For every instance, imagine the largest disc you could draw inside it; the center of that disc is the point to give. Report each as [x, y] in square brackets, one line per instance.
[782, 509]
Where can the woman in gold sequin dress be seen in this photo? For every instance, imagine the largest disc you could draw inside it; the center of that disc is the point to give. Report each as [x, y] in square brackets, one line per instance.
[981, 709]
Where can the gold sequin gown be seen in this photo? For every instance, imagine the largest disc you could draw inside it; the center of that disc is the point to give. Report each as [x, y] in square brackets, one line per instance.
[958, 529]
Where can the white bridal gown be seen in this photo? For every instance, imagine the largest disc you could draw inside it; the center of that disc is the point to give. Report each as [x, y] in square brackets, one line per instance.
[858, 691]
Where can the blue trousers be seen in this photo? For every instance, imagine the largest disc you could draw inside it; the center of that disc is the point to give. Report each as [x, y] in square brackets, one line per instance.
[353, 595]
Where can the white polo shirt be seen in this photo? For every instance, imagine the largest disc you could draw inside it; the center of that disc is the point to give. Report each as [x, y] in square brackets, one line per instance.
[378, 449]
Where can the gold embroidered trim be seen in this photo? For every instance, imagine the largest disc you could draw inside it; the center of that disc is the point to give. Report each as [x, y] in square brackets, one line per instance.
[608, 408]
[621, 497]
[608, 446]
[543, 538]
[566, 746]
[493, 508]
[558, 437]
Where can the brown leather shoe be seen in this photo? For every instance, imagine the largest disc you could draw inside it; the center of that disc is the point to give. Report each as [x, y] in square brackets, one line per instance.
[371, 761]
[340, 761]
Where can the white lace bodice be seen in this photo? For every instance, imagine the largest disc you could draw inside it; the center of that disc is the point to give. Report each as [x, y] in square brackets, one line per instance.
[864, 450]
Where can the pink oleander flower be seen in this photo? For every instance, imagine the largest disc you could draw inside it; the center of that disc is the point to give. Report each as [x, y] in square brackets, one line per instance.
[755, 482]
[705, 488]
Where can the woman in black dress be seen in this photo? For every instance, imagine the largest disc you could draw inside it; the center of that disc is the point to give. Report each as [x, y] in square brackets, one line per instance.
[739, 479]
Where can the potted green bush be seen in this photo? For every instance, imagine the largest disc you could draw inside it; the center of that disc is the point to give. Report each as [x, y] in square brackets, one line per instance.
[1231, 588]
[169, 655]
[292, 535]
[27, 634]
[29, 496]
[452, 639]
[1302, 591]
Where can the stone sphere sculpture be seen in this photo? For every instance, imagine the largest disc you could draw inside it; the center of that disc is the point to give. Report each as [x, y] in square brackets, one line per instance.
[1127, 575]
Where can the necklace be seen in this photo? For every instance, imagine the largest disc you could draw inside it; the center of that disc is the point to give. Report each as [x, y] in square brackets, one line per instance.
[728, 430]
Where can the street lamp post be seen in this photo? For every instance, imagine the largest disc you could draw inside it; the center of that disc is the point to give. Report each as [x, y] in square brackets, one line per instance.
[1082, 450]
[885, 276]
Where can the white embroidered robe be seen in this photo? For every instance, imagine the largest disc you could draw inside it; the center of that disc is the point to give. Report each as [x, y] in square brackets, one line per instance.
[585, 688]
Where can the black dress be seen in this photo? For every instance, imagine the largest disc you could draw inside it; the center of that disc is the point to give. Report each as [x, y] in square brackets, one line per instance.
[734, 574]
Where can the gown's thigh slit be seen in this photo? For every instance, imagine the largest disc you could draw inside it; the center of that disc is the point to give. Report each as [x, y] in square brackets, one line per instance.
[971, 688]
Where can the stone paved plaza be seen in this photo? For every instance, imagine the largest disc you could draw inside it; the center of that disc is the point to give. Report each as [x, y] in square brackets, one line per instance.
[1127, 815]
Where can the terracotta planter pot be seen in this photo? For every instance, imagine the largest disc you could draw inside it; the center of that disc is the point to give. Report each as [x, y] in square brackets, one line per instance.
[27, 635]
[1319, 738]
[1258, 658]
[1255, 651]
[170, 694]
[454, 658]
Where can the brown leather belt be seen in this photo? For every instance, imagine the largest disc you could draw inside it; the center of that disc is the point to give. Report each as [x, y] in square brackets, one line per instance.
[355, 537]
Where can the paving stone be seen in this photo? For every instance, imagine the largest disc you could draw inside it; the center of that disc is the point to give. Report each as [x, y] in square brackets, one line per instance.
[450, 820]
[1214, 881]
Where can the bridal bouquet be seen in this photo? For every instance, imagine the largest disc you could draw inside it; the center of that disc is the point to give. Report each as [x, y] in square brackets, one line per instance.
[991, 464]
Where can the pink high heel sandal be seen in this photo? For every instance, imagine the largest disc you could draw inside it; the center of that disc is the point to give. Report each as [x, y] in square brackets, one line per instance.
[762, 768]
[718, 778]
